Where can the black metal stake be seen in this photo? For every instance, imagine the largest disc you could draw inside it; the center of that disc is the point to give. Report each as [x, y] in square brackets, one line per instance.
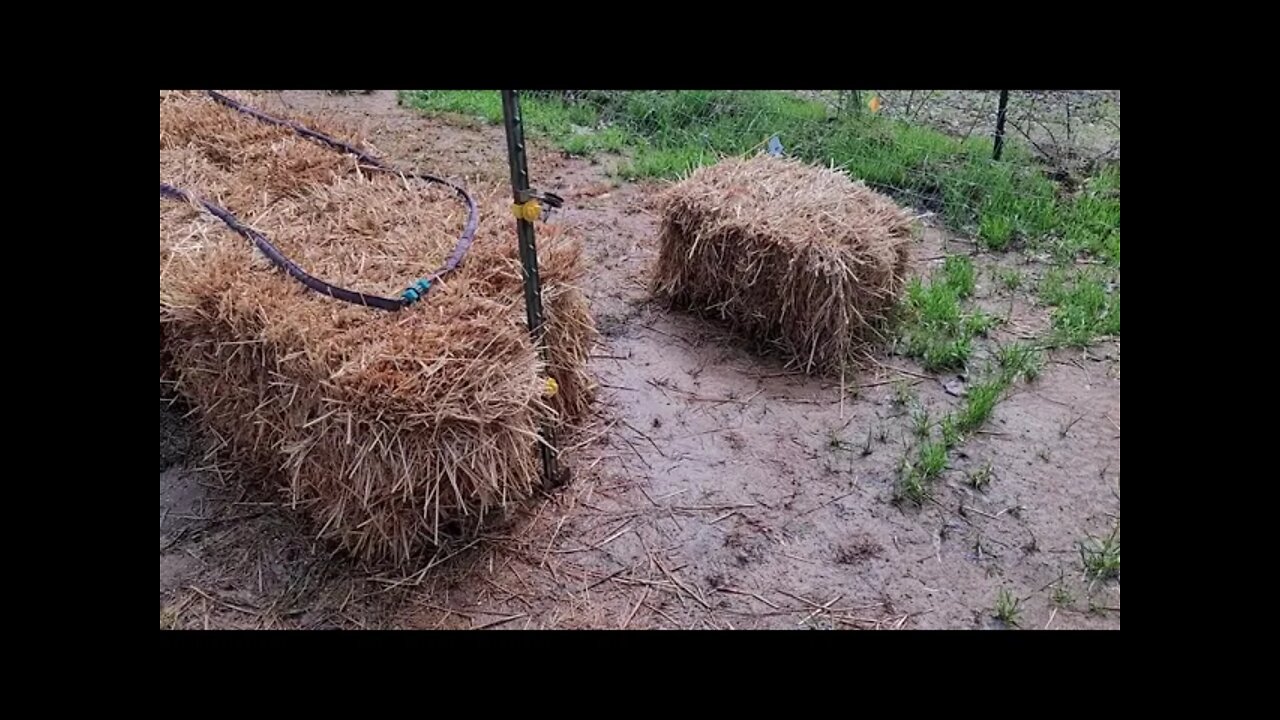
[1000, 116]
[528, 259]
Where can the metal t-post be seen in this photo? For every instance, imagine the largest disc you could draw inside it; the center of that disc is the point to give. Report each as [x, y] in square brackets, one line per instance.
[528, 259]
[1001, 112]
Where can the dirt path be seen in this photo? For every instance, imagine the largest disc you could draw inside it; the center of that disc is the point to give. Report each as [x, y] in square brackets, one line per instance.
[716, 491]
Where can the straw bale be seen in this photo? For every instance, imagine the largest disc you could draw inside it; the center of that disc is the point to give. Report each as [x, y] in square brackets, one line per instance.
[802, 260]
[394, 430]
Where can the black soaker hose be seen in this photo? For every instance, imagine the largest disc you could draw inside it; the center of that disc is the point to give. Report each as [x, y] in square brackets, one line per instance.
[414, 293]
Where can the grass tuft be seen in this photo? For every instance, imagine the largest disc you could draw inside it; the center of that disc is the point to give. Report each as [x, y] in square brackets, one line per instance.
[1008, 609]
[979, 403]
[1017, 359]
[935, 327]
[1086, 305]
[1101, 556]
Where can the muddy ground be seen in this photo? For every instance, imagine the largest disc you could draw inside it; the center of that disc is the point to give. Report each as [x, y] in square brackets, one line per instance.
[716, 490]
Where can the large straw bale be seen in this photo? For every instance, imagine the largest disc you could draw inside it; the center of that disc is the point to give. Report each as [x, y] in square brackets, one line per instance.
[392, 429]
[801, 259]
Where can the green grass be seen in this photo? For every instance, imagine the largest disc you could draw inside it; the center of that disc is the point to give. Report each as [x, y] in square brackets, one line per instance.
[1086, 305]
[1010, 278]
[911, 488]
[485, 104]
[976, 409]
[1092, 222]
[936, 326]
[950, 431]
[1008, 609]
[931, 460]
[979, 323]
[921, 422]
[1017, 359]
[575, 127]
[1101, 556]
[958, 274]
[664, 134]
[979, 402]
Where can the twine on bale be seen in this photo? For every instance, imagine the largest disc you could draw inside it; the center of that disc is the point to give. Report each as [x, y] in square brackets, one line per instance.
[801, 259]
[413, 293]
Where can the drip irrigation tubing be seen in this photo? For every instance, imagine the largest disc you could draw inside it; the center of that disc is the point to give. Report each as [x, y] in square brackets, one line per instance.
[415, 292]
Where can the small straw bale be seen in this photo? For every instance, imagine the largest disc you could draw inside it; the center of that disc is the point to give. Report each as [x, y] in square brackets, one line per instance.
[800, 259]
[393, 430]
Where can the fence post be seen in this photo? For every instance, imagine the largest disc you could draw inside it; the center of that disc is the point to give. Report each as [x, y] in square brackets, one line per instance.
[1000, 116]
[525, 204]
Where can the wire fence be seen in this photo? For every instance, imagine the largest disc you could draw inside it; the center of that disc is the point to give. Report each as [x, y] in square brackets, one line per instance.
[1072, 130]
[1047, 178]
[1066, 130]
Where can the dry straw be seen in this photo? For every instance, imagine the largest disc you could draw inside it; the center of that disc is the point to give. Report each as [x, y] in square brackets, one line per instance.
[392, 429]
[801, 259]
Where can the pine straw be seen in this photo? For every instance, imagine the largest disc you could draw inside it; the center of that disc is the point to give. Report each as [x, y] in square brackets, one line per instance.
[801, 259]
[393, 429]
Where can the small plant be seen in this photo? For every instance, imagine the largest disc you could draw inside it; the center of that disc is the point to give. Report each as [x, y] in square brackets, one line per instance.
[903, 395]
[951, 434]
[1008, 608]
[1010, 278]
[920, 421]
[1018, 359]
[959, 275]
[979, 323]
[980, 478]
[932, 460]
[939, 354]
[979, 403]
[911, 487]
[1053, 286]
[1062, 596]
[1101, 556]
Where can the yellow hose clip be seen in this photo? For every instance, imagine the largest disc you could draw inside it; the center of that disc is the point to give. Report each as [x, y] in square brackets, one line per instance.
[529, 211]
[552, 387]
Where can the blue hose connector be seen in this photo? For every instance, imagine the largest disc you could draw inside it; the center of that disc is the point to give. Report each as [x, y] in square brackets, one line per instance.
[416, 291]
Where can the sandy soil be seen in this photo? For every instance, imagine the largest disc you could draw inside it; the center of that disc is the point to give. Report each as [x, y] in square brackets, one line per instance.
[716, 489]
